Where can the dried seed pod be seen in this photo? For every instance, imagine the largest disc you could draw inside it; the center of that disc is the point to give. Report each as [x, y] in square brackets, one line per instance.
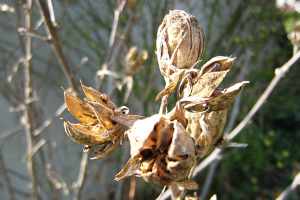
[180, 42]
[101, 124]
[161, 151]
[206, 129]
[205, 105]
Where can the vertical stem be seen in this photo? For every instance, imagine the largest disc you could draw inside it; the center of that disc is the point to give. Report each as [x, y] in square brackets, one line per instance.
[56, 44]
[28, 95]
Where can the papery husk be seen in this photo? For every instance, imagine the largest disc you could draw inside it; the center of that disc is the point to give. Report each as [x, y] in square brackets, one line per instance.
[100, 128]
[180, 42]
[206, 106]
[206, 129]
[161, 151]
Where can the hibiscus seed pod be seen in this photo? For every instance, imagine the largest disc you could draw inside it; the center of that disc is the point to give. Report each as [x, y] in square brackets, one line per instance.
[180, 38]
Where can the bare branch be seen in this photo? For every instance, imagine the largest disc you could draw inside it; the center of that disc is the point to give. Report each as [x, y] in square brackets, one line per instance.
[56, 44]
[290, 189]
[279, 74]
[28, 94]
[78, 184]
[49, 121]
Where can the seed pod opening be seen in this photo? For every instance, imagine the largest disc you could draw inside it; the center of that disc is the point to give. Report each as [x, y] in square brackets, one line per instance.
[180, 41]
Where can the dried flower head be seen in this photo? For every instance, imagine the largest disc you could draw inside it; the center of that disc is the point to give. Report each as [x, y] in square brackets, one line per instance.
[180, 42]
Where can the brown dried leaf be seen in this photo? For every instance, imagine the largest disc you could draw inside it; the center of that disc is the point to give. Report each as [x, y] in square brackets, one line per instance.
[103, 114]
[206, 129]
[181, 153]
[177, 113]
[126, 120]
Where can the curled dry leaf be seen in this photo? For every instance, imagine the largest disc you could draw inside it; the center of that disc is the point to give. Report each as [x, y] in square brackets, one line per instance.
[161, 151]
[99, 128]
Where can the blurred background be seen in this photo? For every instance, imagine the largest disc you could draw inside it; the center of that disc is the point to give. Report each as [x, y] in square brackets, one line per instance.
[89, 40]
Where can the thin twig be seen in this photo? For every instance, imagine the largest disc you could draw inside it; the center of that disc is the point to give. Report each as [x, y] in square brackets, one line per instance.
[28, 94]
[49, 121]
[113, 49]
[125, 155]
[209, 179]
[279, 74]
[56, 44]
[217, 153]
[290, 189]
[58, 50]
[9, 133]
[132, 188]
[117, 13]
[78, 184]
